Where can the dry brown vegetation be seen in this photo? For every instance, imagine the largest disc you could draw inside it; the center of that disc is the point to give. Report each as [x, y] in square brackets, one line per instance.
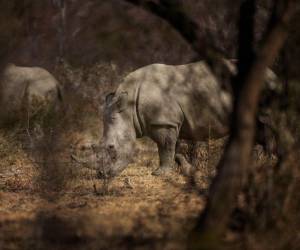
[47, 201]
[137, 211]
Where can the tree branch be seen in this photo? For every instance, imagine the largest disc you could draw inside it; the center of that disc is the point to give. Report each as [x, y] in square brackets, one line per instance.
[172, 12]
[236, 158]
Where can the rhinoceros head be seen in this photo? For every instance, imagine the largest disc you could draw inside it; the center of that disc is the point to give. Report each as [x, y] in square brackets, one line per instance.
[118, 135]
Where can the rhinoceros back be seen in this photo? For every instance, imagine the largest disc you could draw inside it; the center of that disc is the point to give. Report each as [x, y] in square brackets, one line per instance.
[23, 86]
[187, 97]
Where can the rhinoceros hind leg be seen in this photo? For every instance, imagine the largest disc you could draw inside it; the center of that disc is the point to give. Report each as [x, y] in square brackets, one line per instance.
[165, 138]
[185, 167]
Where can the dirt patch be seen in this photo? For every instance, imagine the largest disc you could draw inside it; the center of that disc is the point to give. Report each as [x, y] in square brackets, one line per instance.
[138, 211]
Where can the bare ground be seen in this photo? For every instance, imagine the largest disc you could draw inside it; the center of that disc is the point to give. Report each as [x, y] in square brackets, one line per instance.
[135, 211]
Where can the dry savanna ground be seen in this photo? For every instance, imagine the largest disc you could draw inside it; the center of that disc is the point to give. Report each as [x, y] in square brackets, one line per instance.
[66, 207]
[48, 201]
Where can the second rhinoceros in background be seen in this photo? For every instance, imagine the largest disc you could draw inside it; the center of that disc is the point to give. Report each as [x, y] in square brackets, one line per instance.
[165, 103]
[26, 88]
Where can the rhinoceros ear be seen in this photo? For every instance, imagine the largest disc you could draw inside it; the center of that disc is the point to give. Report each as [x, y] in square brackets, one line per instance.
[122, 102]
[109, 97]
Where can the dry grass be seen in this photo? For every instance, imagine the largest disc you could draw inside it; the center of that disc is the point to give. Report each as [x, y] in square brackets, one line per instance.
[138, 211]
[49, 202]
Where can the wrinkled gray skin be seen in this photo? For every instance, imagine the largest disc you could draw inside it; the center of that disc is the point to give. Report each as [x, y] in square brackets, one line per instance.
[26, 86]
[165, 103]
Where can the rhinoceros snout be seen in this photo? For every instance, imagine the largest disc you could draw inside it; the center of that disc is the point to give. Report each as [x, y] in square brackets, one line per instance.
[105, 170]
[110, 153]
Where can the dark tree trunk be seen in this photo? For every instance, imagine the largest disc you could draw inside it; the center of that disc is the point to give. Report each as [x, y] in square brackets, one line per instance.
[236, 157]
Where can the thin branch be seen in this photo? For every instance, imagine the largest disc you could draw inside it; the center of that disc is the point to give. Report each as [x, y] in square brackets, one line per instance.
[172, 12]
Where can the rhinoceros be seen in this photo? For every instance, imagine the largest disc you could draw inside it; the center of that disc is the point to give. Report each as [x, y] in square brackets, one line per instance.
[165, 103]
[26, 87]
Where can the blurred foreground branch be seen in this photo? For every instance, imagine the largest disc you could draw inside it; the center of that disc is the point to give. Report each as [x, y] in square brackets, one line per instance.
[173, 13]
[236, 157]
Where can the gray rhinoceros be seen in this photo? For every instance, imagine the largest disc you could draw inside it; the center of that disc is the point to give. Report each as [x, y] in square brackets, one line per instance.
[165, 103]
[26, 88]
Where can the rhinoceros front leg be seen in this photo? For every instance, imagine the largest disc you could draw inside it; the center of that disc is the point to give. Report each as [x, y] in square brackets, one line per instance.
[165, 138]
